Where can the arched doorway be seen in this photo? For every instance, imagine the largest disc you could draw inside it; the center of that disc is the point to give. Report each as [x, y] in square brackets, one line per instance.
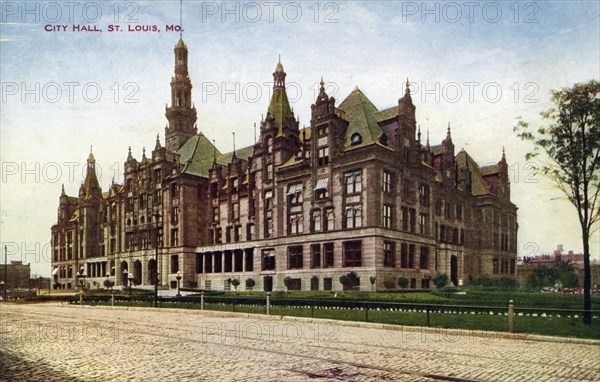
[123, 273]
[151, 271]
[137, 272]
[454, 270]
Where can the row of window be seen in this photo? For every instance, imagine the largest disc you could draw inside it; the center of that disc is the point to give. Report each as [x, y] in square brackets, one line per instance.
[503, 266]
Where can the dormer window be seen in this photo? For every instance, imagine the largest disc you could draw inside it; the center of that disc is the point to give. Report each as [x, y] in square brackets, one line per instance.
[356, 139]
[383, 139]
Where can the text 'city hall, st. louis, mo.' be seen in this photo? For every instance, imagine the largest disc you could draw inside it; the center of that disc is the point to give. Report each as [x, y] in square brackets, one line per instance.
[356, 192]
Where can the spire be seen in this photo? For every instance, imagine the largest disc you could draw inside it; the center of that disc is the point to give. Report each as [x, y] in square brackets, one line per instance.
[428, 147]
[233, 157]
[144, 152]
[279, 107]
[181, 114]
[62, 192]
[157, 146]
[503, 155]
[279, 75]
[449, 134]
[419, 135]
[90, 184]
[322, 95]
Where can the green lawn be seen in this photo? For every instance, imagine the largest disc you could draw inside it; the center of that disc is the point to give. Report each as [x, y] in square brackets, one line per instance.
[553, 326]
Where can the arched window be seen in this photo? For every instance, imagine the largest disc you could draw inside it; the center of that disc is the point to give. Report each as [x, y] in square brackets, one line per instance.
[356, 139]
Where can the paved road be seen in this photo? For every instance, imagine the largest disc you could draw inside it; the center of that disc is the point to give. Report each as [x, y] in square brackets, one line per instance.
[71, 343]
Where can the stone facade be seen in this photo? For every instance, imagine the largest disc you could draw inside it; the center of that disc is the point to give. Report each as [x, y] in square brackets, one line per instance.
[356, 191]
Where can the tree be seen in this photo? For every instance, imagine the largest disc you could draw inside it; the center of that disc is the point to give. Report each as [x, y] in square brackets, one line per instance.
[250, 283]
[235, 283]
[440, 280]
[287, 281]
[572, 143]
[403, 282]
[561, 274]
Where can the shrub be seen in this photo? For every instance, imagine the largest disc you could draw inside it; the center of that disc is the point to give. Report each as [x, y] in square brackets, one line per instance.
[250, 283]
[389, 283]
[403, 282]
[235, 283]
[287, 281]
[440, 280]
[344, 280]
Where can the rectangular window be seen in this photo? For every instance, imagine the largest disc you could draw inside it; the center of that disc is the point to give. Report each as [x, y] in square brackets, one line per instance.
[234, 184]
[327, 283]
[249, 231]
[413, 220]
[175, 215]
[411, 256]
[315, 256]
[215, 214]
[353, 182]
[322, 189]
[495, 266]
[352, 254]
[389, 254]
[387, 216]
[295, 223]
[424, 258]
[174, 263]
[353, 216]
[174, 190]
[228, 234]
[438, 207]
[406, 190]
[294, 193]
[314, 283]
[424, 195]
[270, 171]
[237, 233]
[387, 182]
[448, 211]
[157, 175]
[174, 237]
[403, 255]
[295, 257]
[323, 156]
[328, 219]
[459, 212]
[315, 220]
[328, 252]
[423, 224]
[143, 200]
[405, 218]
[235, 211]
[157, 197]
[268, 260]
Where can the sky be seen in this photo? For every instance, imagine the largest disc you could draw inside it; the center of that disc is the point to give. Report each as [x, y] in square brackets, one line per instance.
[474, 65]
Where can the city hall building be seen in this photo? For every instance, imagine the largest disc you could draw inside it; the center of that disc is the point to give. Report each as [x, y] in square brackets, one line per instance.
[356, 191]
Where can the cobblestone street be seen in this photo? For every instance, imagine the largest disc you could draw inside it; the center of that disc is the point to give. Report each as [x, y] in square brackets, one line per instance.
[50, 342]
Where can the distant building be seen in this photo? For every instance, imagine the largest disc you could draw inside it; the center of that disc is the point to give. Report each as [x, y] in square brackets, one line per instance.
[526, 265]
[355, 191]
[17, 275]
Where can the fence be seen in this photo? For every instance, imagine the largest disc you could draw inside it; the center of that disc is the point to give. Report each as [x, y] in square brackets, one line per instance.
[499, 318]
